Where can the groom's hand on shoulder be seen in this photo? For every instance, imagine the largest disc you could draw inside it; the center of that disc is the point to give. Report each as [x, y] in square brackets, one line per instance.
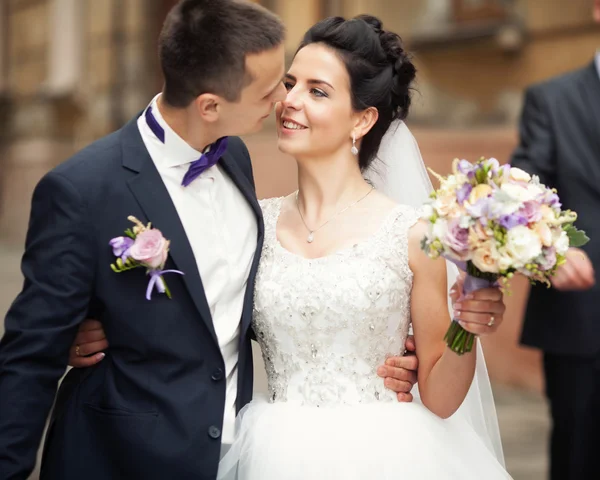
[400, 373]
[88, 345]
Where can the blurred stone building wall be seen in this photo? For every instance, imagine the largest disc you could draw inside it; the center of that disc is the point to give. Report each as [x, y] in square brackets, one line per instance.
[71, 71]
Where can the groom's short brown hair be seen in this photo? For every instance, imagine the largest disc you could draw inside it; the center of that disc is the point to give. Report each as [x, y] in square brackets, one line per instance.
[204, 43]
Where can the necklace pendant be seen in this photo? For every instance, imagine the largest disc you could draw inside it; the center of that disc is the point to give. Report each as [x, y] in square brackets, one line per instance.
[311, 237]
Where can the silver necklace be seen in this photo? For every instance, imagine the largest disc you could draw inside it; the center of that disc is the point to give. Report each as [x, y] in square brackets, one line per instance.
[311, 233]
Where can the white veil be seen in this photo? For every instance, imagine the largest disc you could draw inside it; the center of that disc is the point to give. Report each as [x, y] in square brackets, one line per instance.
[404, 178]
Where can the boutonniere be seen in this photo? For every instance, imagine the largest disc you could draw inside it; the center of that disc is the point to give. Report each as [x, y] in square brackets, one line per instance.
[143, 247]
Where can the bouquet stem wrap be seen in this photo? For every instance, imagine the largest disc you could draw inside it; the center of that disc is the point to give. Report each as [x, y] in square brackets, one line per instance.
[457, 338]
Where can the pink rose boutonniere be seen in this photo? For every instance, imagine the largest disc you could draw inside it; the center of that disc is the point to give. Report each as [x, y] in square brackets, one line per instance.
[144, 247]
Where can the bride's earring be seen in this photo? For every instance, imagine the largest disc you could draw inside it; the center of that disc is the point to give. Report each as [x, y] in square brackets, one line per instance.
[354, 150]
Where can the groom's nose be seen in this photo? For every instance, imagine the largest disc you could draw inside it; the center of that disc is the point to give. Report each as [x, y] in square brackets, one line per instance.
[280, 93]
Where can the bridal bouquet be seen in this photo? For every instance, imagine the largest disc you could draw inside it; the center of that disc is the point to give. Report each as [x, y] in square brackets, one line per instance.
[494, 221]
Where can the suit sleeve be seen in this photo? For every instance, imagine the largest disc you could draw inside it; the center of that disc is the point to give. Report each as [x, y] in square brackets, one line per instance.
[58, 266]
[536, 150]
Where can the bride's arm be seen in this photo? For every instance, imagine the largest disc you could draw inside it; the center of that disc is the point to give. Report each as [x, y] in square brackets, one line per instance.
[444, 377]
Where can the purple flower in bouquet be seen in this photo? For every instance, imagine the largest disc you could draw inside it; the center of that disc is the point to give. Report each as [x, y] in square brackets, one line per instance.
[466, 168]
[457, 238]
[551, 199]
[480, 209]
[512, 220]
[531, 212]
[463, 193]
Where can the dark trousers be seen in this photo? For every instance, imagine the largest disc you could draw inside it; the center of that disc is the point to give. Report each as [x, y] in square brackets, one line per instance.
[573, 390]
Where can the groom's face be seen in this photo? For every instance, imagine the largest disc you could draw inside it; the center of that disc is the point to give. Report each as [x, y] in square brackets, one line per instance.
[258, 98]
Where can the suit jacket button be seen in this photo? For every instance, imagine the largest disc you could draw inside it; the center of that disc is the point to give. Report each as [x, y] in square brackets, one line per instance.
[214, 432]
[217, 375]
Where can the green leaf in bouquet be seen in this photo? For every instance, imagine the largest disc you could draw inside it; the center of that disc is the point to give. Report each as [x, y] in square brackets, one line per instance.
[500, 234]
[481, 175]
[577, 238]
[560, 260]
[567, 216]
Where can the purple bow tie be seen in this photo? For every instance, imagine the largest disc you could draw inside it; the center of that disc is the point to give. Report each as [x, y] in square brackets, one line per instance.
[207, 160]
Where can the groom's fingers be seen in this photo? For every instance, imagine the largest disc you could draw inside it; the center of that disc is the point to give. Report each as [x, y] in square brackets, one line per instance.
[398, 386]
[90, 324]
[85, 349]
[408, 362]
[405, 397]
[89, 337]
[399, 374]
[83, 362]
[410, 344]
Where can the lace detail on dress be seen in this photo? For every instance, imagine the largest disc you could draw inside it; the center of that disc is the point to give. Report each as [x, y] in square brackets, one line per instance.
[324, 325]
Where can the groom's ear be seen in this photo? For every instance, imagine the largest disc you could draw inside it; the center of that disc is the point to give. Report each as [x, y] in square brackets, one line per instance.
[208, 105]
[364, 121]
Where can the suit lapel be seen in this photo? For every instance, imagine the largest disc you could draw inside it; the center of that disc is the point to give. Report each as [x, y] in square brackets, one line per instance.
[152, 195]
[590, 93]
[233, 170]
[241, 181]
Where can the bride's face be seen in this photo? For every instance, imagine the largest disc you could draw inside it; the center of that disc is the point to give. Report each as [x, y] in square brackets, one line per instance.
[316, 118]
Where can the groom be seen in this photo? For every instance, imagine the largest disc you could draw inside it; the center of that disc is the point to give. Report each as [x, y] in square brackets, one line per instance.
[163, 402]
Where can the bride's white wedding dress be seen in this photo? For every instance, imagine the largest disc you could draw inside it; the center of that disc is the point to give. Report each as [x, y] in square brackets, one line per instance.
[324, 326]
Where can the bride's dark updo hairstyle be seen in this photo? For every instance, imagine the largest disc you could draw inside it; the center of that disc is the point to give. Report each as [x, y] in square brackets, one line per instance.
[380, 71]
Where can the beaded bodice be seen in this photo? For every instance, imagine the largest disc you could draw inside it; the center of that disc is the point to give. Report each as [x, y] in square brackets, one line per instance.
[324, 325]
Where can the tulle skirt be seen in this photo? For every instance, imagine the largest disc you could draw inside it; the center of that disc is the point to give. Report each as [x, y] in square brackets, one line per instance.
[378, 441]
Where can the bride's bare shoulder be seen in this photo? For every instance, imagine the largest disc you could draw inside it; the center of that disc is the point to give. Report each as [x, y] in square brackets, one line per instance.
[383, 202]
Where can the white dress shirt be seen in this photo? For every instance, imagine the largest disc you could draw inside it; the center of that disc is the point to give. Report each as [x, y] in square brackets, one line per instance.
[222, 231]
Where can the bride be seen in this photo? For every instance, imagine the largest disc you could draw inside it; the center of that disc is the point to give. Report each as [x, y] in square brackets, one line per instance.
[341, 279]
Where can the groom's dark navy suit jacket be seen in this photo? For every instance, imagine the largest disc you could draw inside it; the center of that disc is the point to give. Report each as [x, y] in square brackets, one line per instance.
[153, 408]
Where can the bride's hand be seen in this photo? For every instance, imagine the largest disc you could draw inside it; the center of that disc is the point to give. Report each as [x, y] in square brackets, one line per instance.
[480, 312]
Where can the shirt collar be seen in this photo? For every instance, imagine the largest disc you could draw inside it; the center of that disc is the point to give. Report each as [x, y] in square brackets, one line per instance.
[176, 151]
[598, 62]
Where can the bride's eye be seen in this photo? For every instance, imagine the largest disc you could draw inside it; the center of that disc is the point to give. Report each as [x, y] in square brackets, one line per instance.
[318, 93]
[288, 86]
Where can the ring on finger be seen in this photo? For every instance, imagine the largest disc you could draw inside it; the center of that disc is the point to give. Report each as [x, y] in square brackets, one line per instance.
[492, 321]
[77, 351]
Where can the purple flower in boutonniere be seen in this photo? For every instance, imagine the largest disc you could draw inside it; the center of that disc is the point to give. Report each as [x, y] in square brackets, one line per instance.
[143, 247]
[121, 246]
